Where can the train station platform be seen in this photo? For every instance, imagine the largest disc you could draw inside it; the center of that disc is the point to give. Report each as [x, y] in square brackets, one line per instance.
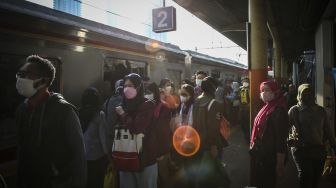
[237, 159]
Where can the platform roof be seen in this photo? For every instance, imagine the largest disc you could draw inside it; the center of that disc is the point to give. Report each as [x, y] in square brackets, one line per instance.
[295, 20]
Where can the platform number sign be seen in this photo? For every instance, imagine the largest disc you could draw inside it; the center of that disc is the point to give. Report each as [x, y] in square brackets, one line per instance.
[164, 19]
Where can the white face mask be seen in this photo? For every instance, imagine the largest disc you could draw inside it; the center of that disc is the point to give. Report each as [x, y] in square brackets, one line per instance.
[267, 96]
[168, 90]
[183, 99]
[245, 84]
[25, 87]
[149, 97]
[198, 82]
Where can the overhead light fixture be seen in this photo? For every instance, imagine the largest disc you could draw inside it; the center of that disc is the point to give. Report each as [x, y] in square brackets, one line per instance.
[79, 49]
[81, 34]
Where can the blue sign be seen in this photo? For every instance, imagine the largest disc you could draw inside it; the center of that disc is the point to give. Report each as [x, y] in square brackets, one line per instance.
[164, 19]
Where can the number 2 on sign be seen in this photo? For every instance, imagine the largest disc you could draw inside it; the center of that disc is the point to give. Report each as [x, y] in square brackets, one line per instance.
[162, 23]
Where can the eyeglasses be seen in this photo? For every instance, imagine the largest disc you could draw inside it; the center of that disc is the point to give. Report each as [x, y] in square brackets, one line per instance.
[24, 74]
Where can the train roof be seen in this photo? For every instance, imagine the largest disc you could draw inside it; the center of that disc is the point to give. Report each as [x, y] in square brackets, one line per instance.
[46, 17]
[224, 61]
[35, 10]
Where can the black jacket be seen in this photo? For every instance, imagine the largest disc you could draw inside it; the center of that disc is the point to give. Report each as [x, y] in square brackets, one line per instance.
[50, 148]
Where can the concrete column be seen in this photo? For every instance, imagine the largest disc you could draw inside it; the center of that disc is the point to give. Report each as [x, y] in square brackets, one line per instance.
[258, 52]
[283, 71]
[295, 74]
[325, 58]
[277, 60]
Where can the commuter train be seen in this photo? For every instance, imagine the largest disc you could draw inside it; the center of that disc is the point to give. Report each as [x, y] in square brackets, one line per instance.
[85, 53]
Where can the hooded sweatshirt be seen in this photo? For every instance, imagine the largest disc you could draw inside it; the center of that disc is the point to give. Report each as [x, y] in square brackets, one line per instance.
[310, 120]
[50, 147]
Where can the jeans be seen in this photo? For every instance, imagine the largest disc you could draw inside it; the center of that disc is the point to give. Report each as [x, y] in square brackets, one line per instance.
[309, 162]
[147, 178]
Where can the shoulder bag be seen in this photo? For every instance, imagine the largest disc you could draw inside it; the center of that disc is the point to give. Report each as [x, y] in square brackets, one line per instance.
[126, 150]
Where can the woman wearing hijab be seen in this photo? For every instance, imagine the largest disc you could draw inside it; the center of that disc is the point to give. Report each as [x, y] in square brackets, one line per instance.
[137, 113]
[268, 140]
[311, 129]
[94, 128]
[187, 97]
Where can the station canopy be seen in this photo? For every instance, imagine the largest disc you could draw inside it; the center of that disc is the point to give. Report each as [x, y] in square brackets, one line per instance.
[296, 21]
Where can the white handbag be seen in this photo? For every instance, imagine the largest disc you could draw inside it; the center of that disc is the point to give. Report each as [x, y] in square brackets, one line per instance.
[126, 150]
[127, 142]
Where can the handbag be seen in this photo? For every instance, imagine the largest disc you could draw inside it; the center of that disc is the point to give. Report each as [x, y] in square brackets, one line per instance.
[224, 128]
[126, 150]
[110, 179]
[224, 125]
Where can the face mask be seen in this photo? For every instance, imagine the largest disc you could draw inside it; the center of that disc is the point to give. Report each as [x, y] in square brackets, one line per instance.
[183, 99]
[168, 90]
[245, 84]
[149, 97]
[198, 82]
[130, 92]
[267, 96]
[25, 87]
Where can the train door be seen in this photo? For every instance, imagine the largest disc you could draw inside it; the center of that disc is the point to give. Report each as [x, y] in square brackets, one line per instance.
[117, 68]
[176, 77]
[215, 74]
[10, 99]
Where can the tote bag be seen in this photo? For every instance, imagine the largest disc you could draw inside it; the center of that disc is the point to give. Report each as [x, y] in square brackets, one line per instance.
[126, 150]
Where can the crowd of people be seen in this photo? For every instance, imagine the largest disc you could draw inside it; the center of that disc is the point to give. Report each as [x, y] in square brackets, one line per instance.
[62, 146]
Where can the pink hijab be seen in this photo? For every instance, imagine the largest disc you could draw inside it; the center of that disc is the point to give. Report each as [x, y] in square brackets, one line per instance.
[259, 122]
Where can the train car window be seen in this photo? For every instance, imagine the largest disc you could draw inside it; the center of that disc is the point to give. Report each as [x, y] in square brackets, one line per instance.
[10, 99]
[175, 76]
[139, 68]
[229, 76]
[215, 74]
[116, 68]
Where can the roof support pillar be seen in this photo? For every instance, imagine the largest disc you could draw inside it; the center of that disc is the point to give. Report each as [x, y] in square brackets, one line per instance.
[277, 60]
[257, 49]
[284, 66]
[258, 52]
